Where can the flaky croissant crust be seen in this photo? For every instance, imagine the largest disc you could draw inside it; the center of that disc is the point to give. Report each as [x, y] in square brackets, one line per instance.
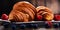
[45, 12]
[22, 11]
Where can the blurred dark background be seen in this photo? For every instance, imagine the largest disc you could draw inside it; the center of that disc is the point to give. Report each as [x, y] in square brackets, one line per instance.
[6, 5]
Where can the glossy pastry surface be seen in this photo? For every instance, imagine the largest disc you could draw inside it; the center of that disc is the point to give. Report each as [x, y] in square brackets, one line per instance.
[23, 12]
[45, 12]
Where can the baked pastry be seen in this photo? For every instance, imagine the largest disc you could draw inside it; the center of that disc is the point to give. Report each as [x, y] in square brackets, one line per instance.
[23, 12]
[45, 12]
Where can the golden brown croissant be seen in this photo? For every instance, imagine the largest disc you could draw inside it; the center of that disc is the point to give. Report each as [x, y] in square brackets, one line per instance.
[45, 12]
[22, 12]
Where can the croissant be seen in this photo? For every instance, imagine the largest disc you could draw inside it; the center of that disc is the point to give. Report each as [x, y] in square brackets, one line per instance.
[23, 12]
[45, 12]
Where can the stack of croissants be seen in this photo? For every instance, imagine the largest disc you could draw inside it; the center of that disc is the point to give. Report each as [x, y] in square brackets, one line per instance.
[24, 12]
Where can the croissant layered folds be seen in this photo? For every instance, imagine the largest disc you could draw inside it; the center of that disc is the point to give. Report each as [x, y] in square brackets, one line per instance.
[45, 12]
[22, 12]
